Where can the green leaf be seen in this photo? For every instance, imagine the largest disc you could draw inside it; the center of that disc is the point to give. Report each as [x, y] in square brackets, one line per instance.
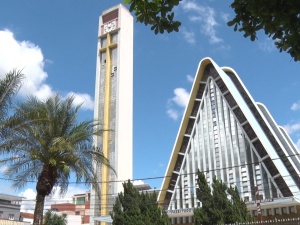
[132, 7]
[235, 27]
[126, 2]
[231, 23]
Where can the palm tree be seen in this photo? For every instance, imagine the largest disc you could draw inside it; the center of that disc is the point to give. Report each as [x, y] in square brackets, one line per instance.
[46, 143]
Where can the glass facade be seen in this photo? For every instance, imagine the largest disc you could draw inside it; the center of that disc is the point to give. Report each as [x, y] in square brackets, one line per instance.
[218, 148]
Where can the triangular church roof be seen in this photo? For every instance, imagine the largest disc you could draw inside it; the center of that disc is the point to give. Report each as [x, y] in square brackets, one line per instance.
[270, 143]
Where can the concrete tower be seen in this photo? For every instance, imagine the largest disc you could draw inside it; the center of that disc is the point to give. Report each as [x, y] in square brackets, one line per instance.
[113, 106]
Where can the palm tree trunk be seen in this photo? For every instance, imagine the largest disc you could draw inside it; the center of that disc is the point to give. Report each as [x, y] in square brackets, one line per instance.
[44, 186]
[38, 211]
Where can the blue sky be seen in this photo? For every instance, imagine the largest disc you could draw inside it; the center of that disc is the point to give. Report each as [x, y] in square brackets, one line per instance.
[55, 43]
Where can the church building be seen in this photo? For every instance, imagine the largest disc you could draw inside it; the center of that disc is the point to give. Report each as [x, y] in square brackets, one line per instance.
[225, 133]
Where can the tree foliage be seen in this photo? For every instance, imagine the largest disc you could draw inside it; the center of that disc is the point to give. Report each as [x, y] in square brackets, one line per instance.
[238, 209]
[219, 205]
[45, 143]
[134, 208]
[52, 218]
[204, 195]
[156, 13]
[279, 19]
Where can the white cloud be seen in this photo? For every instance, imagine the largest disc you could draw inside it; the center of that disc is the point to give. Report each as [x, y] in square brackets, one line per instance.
[190, 78]
[173, 114]
[177, 103]
[181, 97]
[291, 128]
[189, 36]
[137, 182]
[295, 106]
[43, 92]
[28, 203]
[161, 165]
[267, 45]
[28, 57]
[205, 16]
[84, 99]
[225, 17]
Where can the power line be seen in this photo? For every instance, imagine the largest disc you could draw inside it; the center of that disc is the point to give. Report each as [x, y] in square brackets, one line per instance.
[160, 177]
[289, 176]
[56, 199]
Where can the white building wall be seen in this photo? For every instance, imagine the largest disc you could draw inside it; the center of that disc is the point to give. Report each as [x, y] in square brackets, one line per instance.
[124, 113]
[74, 220]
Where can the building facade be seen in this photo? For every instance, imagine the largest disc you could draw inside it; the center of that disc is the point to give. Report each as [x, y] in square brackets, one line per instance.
[10, 206]
[225, 133]
[79, 208]
[113, 106]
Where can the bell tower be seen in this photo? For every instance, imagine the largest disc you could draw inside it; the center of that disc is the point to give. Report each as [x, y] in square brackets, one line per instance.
[113, 107]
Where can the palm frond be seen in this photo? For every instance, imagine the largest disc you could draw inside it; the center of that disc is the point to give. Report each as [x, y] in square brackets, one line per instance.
[9, 86]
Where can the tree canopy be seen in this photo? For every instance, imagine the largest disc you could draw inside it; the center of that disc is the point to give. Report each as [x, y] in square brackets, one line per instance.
[157, 13]
[134, 208]
[219, 205]
[279, 19]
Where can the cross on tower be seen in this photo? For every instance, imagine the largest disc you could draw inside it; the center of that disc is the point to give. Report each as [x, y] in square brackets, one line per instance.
[106, 123]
